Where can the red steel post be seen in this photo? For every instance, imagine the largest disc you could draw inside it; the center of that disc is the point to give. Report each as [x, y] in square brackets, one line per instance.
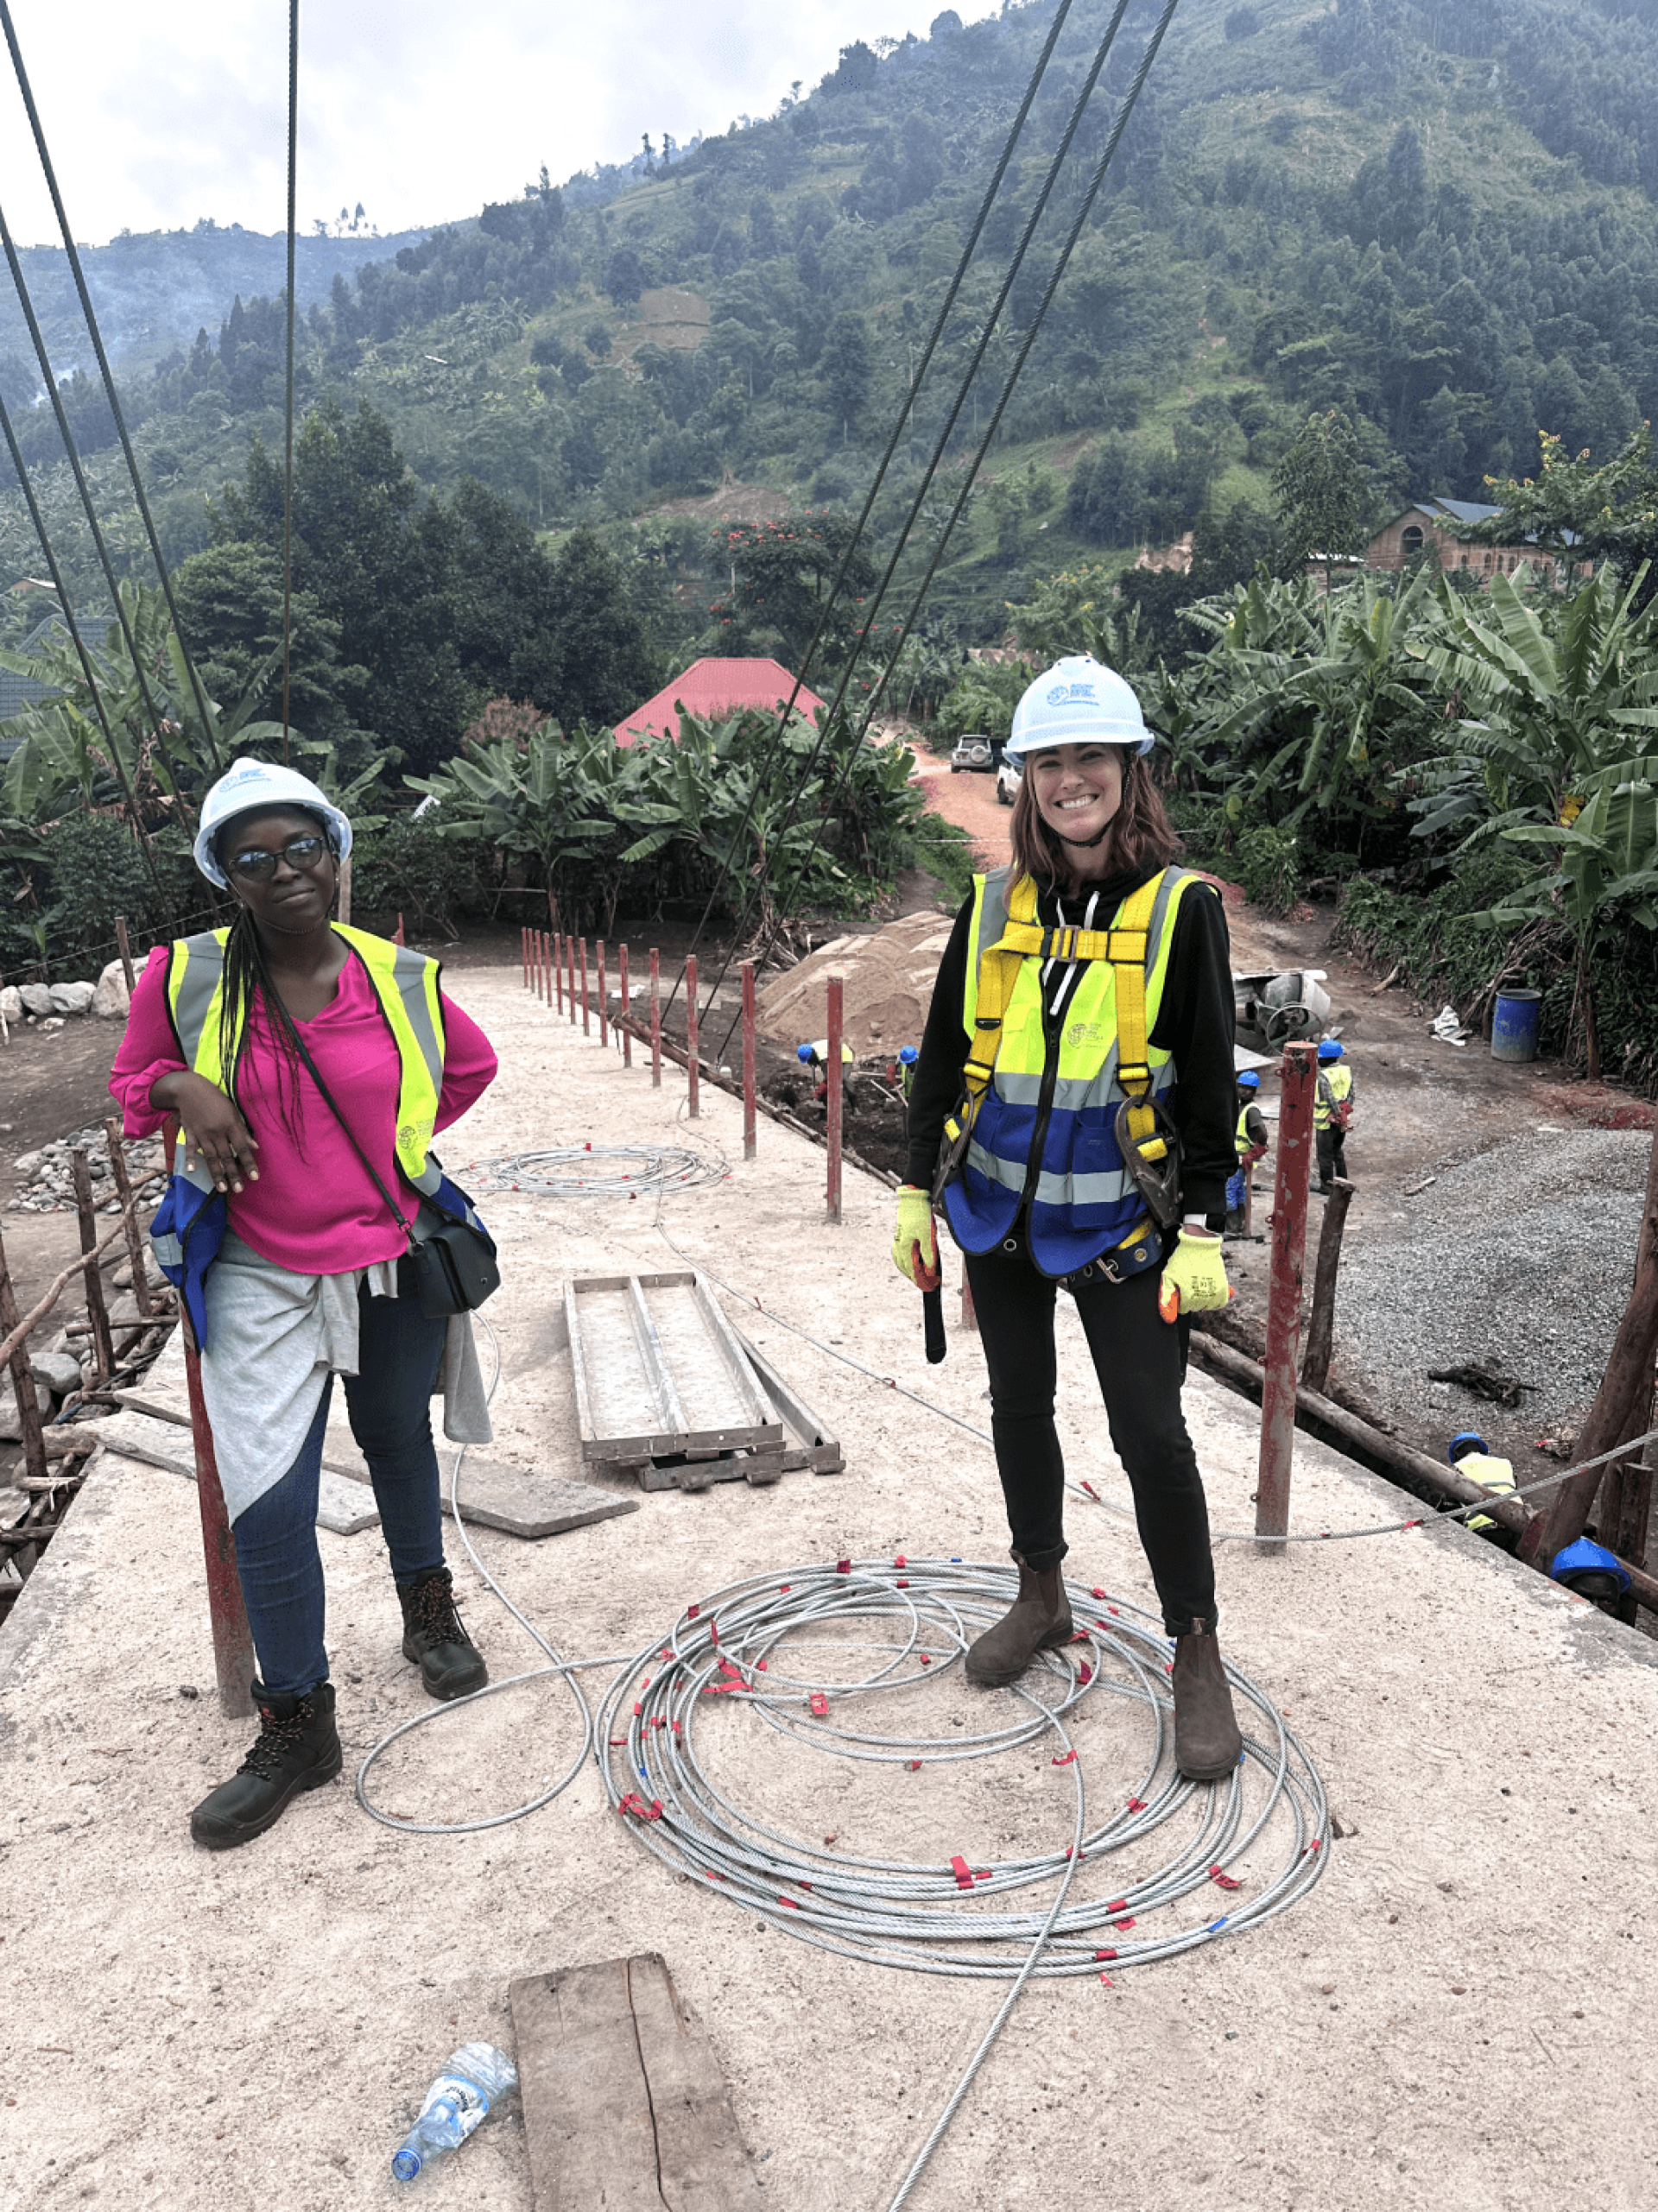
[524, 952]
[748, 1059]
[655, 1020]
[570, 975]
[832, 1097]
[1297, 1084]
[233, 1660]
[694, 1066]
[604, 1004]
[547, 968]
[627, 1010]
[536, 962]
[586, 1022]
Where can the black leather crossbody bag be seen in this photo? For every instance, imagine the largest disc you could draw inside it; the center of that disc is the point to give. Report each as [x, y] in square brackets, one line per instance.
[451, 1259]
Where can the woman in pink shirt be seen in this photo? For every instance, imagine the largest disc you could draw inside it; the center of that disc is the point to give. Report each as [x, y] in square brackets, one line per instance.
[312, 1278]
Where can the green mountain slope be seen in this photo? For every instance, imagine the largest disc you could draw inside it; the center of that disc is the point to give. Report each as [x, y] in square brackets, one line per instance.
[1440, 218]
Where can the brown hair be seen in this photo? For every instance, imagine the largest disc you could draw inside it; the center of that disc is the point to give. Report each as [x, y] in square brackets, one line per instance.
[1138, 839]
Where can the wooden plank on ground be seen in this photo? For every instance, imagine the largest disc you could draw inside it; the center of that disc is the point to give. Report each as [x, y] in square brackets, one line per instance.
[625, 2108]
[343, 1506]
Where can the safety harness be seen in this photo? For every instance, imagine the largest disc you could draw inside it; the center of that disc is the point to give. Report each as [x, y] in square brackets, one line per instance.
[1147, 1138]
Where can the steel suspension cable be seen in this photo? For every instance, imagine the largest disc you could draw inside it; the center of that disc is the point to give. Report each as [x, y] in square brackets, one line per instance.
[987, 332]
[79, 643]
[209, 731]
[976, 460]
[55, 397]
[956, 281]
[287, 419]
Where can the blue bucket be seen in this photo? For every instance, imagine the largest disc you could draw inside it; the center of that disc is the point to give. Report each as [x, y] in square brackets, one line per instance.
[1513, 1026]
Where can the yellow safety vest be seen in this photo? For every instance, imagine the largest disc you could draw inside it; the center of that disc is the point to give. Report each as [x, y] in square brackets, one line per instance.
[1040, 1123]
[1241, 1139]
[1335, 1083]
[406, 984]
[1492, 1474]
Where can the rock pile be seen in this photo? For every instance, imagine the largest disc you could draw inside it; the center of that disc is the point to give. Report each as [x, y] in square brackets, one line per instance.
[50, 1188]
[23, 1005]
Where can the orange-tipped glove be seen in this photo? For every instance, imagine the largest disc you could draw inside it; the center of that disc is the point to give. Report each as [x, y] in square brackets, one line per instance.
[916, 1243]
[1195, 1276]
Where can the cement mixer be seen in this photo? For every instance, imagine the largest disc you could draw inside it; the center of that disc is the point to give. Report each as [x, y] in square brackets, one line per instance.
[1281, 1008]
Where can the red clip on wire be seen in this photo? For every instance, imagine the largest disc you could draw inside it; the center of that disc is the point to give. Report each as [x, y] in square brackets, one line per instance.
[913, 1764]
[1084, 1675]
[1223, 1882]
[635, 1804]
[1066, 1761]
[901, 1561]
[1104, 1954]
[1092, 1493]
[962, 1871]
[820, 1703]
[1126, 1922]
[843, 1566]
[692, 1611]
[1136, 1805]
[1097, 1593]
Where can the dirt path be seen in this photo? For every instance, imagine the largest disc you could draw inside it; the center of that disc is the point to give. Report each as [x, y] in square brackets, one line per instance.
[969, 800]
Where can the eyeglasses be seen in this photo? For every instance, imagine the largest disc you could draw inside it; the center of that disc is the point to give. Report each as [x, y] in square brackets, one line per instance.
[257, 864]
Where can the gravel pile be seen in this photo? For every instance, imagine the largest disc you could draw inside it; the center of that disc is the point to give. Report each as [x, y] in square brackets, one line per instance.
[1519, 1260]
[50, 1188]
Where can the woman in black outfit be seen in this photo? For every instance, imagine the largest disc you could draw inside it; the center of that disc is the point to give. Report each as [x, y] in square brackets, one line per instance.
[1036, 1189]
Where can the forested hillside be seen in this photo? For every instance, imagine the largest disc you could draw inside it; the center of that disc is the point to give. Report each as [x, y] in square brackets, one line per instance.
[1440, 218]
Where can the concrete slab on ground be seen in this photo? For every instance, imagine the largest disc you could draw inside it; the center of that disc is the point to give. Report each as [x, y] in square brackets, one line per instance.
[1453, 2017]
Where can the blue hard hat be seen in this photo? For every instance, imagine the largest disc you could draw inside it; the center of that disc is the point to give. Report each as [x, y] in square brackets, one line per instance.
[1585, 1559]
[1464, 1440]
[802, 1052]
[908, 1054]
[1248, 1080]
[1330, 1049]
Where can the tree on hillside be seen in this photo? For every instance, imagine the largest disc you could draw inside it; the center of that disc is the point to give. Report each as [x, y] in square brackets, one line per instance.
[604, 664]
[846, 368]
[781, 575]
[231, 604]
[1321, 494]
[1582, 512]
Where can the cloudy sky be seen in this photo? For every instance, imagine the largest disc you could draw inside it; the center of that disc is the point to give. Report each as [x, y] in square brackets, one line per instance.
[158, 114]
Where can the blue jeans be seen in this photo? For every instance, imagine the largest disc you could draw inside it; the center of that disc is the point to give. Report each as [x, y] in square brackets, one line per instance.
[276, 1556]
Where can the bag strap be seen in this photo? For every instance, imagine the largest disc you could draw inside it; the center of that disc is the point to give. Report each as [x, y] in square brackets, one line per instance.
[328, 1100]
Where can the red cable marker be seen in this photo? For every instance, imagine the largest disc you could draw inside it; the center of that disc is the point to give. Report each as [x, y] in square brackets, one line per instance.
[820, 1705]
[1084, 1675]
[904, 1581]
[963, 1872]
[1136, 1805]
[1223, 1881]
[1126, 1922]
[692, 1611]
[913, 1764]
[1104, 1954]
[843, 1566]
[1066, 1761]
[901, 1561]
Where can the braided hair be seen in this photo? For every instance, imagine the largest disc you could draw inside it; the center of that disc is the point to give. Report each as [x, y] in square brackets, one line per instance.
[247, 983]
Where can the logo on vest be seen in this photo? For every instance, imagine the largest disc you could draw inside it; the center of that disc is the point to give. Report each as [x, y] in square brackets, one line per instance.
[1072, 695]
[1085, 1032]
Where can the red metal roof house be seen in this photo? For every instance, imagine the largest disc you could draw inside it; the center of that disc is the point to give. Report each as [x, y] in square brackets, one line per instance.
[714, 687]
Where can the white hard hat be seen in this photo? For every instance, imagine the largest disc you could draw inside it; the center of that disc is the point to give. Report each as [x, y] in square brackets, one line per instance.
[1078, 701]
[247, 784]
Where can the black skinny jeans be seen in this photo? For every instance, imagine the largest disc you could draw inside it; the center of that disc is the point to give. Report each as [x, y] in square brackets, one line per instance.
[1141, 1362]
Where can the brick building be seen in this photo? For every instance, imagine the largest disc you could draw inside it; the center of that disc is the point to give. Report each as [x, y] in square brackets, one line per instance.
[1433, 522]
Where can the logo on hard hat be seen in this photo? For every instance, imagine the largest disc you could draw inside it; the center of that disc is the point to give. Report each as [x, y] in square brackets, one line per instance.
[1070, 694]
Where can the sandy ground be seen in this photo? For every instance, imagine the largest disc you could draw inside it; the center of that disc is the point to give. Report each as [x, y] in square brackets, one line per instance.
[968, 798]
[1440, 2023]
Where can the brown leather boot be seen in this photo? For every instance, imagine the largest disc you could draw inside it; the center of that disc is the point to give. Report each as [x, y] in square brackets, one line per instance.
[1039, 1618]
[1207, 1745]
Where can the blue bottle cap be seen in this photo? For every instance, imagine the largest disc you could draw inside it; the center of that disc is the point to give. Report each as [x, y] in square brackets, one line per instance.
[406, 2165]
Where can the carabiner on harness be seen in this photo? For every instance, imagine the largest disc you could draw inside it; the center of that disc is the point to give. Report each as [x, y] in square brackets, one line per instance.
[1152, 1159]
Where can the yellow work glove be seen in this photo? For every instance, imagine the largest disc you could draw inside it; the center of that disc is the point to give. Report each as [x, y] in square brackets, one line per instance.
[916, 1243]
[1195, 1276]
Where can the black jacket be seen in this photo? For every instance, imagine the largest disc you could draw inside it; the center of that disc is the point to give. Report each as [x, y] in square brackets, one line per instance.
[1194, 1024]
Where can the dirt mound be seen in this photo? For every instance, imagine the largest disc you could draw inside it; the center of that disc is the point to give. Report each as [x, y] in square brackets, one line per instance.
[889, 979]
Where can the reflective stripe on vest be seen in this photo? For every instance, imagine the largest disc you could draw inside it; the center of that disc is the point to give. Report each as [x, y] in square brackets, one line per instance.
[1082, 1197]
[405, 983]
[1334, 1084]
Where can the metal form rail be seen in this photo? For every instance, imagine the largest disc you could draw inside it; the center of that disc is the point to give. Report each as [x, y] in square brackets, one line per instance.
[666, 1387]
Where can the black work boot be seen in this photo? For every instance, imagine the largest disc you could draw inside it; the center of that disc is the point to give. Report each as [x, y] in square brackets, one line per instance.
[451, 1664]
[298, 1749]
[1207, 1745]
[1039, 1618]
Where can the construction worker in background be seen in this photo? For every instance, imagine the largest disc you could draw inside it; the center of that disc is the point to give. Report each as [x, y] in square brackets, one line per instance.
[1333, 1111]
[1471, 1455]
[1072, 1119]
[1252, 1143]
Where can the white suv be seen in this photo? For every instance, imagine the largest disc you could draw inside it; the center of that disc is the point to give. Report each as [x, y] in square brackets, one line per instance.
[1009, 774]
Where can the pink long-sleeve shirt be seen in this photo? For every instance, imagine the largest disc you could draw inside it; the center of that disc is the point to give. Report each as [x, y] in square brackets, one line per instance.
[314, 1209]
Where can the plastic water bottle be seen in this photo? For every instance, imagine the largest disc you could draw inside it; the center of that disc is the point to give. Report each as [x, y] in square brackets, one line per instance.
[477, 2077]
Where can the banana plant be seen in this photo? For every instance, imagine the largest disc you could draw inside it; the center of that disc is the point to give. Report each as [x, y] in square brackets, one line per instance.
[1565, 688]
